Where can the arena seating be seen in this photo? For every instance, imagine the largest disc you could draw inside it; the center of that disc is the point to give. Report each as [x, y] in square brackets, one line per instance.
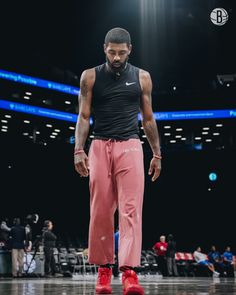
[75, 260]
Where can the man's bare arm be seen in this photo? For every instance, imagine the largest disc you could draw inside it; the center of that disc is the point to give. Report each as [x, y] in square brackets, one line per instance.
[85, 100]
[148, 121]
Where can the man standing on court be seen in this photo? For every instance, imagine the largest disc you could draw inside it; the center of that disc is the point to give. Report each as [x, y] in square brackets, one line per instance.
[117, 91]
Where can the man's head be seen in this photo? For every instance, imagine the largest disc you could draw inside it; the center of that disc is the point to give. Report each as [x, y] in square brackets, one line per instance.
[228, 249]
[118, 36]
[16, 221]
[162, 239]
[117, 47]
[170, 237]
[48, 224]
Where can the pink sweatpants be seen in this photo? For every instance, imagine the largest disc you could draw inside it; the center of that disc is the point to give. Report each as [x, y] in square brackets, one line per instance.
[116, 181]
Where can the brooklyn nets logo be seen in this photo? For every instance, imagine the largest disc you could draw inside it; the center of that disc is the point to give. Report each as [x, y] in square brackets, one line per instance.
[219, 16]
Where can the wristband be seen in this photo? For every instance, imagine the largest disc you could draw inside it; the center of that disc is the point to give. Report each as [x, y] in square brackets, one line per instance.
[78, 151]
[157, 156]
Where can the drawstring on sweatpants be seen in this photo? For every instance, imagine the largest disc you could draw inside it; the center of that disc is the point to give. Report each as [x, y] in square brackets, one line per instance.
[109, 146]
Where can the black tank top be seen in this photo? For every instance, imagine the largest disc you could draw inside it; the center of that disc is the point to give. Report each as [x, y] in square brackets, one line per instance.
[116, 102]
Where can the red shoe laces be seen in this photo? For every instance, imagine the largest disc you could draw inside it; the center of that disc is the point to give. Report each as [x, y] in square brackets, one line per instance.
[103, 277]
[131, 279]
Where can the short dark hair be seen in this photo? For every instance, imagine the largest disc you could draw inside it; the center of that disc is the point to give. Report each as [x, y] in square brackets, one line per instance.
[47, 222]
[118, 35]
[170, 237]
[16, 221]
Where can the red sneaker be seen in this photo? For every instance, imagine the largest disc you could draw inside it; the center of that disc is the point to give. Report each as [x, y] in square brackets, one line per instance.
[130, 283]
[104, 281]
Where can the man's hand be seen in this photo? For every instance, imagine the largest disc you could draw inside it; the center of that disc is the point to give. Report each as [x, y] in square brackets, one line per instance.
[29, 248]
[155, 166]
[81, 164]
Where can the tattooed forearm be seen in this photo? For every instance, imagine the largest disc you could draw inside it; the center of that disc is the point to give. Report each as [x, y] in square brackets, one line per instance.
[151, 131]
[83, 89]
[83, 122]
[81, 132]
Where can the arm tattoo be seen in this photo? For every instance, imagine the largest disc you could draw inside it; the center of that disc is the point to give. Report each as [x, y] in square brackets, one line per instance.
[151, 131]
[84, 88]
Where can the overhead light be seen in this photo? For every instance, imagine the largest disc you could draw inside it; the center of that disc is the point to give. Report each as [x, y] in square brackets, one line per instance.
[219, 125]
[4, 130]
[205, 128]
[26, 97]
[26, 121]
[52, 136]
[178, 136]
[216, 133]
[28, 93]
[204, 132]
[91, 136]
[208, 140]
[183, 138]
[4, 121]
[54, 133]
[144, 136]
[8, 116]
[67, 102]
[141, 127]
[4, 127]
[173, 141]
[179, 129]
[25, 133]
[49, 125]
[167, 127]
[174, 87]
[167, 134]
[198, 138]
[57, 130]
[72, 127]
[37, 132]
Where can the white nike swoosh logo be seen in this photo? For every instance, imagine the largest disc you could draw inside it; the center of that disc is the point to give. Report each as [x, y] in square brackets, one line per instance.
[128, 84]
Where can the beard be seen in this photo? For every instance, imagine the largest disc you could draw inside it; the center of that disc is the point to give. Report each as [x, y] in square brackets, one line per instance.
[117, 66]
